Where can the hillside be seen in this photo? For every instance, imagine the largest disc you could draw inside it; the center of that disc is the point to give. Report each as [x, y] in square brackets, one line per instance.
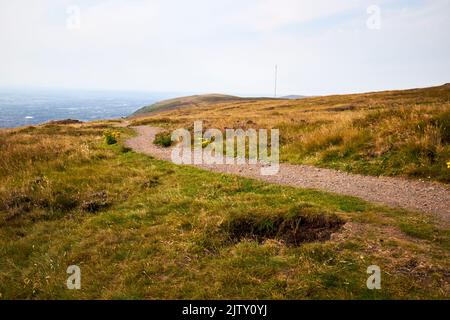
[196, 101]
[184, 102]
[142, 228]
[393, 133]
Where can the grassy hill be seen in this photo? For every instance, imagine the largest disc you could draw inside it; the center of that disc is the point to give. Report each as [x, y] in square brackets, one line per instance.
[197, 101]
[141, 228]
[397, 133]
[183, 102]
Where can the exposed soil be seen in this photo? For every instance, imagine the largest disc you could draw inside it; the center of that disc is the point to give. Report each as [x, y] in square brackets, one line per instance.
[418, 195]
[291, 229]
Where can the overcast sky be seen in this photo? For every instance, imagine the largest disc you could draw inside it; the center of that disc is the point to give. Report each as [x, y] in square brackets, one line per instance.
[225, 46]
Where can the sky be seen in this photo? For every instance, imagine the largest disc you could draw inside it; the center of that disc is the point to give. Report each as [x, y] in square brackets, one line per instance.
[225, 46]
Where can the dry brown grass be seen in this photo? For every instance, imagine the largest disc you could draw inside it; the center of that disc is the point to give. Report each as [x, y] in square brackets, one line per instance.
[26, 149]
[29, 153]
[385, 133]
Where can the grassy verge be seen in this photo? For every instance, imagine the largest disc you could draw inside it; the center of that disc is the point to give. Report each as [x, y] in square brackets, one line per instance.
[147, 229]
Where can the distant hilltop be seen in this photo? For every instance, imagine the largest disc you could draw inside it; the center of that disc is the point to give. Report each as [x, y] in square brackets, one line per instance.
[200, 100]
[188, 101]
[294, 96]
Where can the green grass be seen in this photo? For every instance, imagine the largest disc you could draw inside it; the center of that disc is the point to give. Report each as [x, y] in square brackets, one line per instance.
[162, 231]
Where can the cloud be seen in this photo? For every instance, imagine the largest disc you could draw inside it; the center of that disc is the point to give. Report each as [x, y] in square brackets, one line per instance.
[273, 14]
[224, 46]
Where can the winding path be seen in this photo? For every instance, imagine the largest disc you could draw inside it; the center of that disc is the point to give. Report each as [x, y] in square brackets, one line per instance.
[418, 195]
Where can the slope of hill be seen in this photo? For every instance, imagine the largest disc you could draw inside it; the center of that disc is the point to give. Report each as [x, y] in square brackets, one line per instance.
[142, 228]
[183, 102]
[204, 100]
[395, 133]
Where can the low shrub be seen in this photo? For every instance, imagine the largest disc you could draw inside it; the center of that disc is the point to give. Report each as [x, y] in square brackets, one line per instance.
[111, 137]
[163, 139]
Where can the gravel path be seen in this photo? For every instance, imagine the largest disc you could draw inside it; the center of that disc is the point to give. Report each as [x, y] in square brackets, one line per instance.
[424, 196]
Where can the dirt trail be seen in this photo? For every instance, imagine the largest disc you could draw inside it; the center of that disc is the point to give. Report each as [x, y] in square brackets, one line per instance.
[424, 196]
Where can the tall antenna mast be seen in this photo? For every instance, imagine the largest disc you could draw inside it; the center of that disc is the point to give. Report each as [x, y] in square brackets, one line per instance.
[276, 75]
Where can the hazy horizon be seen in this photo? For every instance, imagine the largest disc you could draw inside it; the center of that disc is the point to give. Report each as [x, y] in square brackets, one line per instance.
[169, 95]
